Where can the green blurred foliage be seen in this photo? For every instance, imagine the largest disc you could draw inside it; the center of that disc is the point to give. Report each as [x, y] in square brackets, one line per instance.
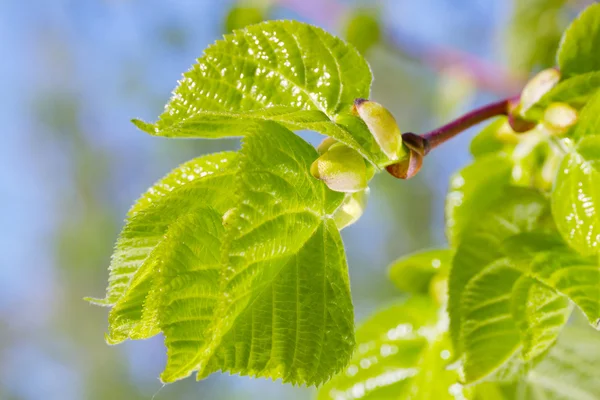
[534, 32]
[363, 29]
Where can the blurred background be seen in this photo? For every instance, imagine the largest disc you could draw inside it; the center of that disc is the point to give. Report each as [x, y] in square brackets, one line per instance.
[73, 73]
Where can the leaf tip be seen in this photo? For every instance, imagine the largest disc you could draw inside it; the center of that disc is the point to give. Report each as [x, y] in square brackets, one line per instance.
[97, 302]
[144, 126]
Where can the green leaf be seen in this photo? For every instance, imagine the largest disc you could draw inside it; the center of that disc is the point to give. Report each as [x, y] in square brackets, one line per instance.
[534, 32]
[472, 190]
[578, 51]
[575, 91]
[413, 273]
[241, 16]
[283, 71]
[576, 197]
[512, 311]
[572, 275]
[570, 369]
[487, 141]
[589, 118]
[209, 178]
[283, 304]
[540, 313]
[363, 29]
[489, 334]
[401, 353]
[517, 210]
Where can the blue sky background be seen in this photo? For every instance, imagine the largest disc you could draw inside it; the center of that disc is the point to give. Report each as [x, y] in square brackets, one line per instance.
[72, 75]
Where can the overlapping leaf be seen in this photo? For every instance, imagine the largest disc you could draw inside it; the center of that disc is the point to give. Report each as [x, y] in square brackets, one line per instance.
[402, 352]
[285, 309]
[569, 371]
[517, 210]
[413, 273]
[284, 71]
[576, 194]
[240, 264]
[472, 190]
[510, 287]
[137, 252]
[575, 91]
[578, 52]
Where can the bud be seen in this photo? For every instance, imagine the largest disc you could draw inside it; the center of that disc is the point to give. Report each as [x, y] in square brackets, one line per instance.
[438, 288]
[382, 125]
[351, 209]
[341, 168]
[538, 86]
[410, 164]
[507, 135]
[325, 145]
[559, 117]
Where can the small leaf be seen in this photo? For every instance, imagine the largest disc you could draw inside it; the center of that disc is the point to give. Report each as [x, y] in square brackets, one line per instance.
[578, 52]
[413, 273]
[240, 17]
[489, 334]
[537, 87]
[572, 275]
[284, 71]
[576, 197]
[540, 313]
[472, 190]
[575, 91]
[589, 118]
[351, 209]
[401, 353]
[487, 141]
[570, 369]
[363, 29]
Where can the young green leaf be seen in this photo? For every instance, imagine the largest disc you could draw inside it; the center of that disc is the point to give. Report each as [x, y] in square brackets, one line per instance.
[576, 196]
[589, 118]
[572, 275]
[578, 52]
[472, 190]
[284, 71]
[271, 318]
[209, 178]
[402, 352]
[540, 313]
[487, 141]
[489, 334]
[575, 91]
[516, 210]
[413, 273]
[351, 209]
[570, 369]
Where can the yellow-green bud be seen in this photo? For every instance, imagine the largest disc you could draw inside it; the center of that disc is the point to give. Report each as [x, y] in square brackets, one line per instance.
[341, 168]
[382, 125]
[538, 86]
[438, 288]
[559, 117]
[351, 209]
[325, 145]
[507, 135]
